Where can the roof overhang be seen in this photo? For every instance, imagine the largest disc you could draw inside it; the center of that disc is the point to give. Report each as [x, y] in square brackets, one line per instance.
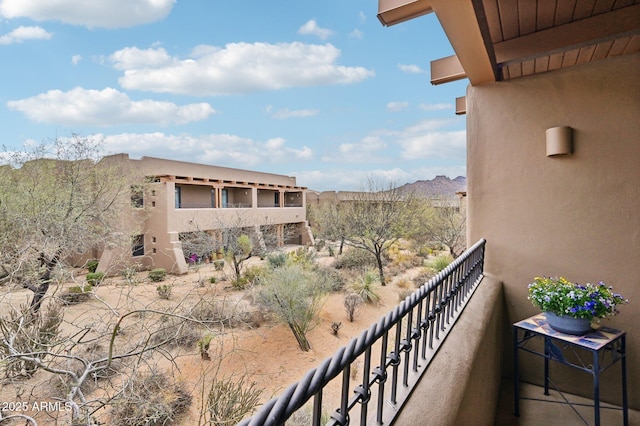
[496, 40]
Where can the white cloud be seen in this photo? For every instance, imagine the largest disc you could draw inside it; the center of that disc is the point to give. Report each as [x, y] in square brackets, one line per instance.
[132, 58]
[75, 59]
[435, 107]
[236, 68]
[105, 107]
[21, 34]
[218, 149]
[300, 113]
[102, 14]
[356, 34]
[367, 150]
[411, 69]
[311, 28]
[427, 140]
[397, 106]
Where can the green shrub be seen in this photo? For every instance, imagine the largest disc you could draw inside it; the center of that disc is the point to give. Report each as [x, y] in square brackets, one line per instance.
[164, 291]
[366, 286]
[92, 265]
[440, 262]
[218, 265]
[229, 401]
[355, 258]
[213, 280]
[277, 260]
[303, 256]
[95, 278]
[157, 275]
[76, 294]
[333, 277]
[130, 275]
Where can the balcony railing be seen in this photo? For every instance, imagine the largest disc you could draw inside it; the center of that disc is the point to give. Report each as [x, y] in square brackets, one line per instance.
[405, 340]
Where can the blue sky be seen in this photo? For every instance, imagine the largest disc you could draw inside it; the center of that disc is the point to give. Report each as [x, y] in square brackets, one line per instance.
[319, 90]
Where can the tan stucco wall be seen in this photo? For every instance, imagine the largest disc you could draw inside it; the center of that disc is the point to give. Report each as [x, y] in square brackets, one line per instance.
[462, 384]
[576, 216]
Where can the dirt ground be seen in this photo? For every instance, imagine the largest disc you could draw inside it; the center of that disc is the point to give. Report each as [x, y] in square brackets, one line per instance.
[268, 354]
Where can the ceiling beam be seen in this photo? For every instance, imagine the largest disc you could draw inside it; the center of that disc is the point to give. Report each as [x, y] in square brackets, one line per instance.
[391, 12]
[574, 35]
[446, 69]
[464, 24]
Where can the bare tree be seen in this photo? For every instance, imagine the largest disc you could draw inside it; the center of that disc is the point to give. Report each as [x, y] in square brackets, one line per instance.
[56, 201]
[441, 221]
[374, 219]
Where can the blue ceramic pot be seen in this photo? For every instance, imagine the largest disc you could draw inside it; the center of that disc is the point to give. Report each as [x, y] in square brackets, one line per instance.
[568, 325]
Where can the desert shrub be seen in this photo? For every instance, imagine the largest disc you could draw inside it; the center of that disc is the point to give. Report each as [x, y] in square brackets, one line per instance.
[440, 262]
[366, 286]
[92, 265]
[164, 291]
[423, 278]
[304, 417]
[218, 265]
[230, 400]
[240, 283]
[303, 256]
[295, 296]
[28, 334]
[277, 260]
[403, 283]
[203, 346]
[222, 312]
[403, 294]
[352, 304]
[175, 332]
[213, 280]
[157, 275]
[76, 294]
[130, 275]
[355, 258]
[95, 278]
[333, 277]
[253, 274]
[150, 399]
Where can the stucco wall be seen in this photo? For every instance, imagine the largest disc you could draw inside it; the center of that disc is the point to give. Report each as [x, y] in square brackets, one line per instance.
[462, 384]
[577, 216]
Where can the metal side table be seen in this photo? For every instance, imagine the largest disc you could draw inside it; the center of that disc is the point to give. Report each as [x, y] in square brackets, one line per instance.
[605, 345]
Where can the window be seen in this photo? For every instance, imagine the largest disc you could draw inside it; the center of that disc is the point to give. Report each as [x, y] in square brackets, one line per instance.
[137, 197]
[276, 199]
[225, 198]
[137, 245]
[178, 197]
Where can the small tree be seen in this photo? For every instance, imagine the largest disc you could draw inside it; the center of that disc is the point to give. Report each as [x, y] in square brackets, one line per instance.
[295, 295]
[372, 219]
[352, 304]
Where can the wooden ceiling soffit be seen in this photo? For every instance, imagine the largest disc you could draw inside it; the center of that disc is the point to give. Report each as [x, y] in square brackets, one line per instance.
[391, 12]
[465, 24]
[574, 35]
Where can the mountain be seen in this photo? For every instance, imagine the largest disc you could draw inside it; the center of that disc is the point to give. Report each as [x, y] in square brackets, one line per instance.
[440, 186]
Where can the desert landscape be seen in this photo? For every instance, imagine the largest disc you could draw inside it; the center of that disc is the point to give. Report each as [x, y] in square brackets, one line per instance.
[244, 343]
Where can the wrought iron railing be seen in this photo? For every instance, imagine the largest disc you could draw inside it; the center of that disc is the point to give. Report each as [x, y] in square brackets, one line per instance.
[405, 341]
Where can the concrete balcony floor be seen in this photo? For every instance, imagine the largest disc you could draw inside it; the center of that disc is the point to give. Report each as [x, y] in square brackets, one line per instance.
[540, 409]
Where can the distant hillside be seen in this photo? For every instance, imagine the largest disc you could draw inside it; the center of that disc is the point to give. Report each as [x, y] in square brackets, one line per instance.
[440, 186]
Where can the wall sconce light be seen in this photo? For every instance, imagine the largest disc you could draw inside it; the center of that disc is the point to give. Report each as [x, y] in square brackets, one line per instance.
[559, 141]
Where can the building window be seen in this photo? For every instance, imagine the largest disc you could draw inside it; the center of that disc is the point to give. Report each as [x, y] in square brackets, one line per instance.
[153, 192]
[137, 197]
[137, 246]
[153, 204]
[276, 199]
[178, 197]
[225, 198]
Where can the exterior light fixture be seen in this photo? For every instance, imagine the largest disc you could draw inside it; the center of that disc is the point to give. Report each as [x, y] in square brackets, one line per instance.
[559, 141]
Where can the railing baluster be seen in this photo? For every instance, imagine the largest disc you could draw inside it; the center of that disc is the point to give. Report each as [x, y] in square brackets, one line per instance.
[436, 304]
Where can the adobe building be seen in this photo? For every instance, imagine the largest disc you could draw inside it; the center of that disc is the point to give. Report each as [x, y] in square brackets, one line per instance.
[179, 198]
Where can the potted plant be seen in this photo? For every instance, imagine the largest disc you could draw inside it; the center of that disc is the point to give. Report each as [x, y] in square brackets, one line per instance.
[571, 307]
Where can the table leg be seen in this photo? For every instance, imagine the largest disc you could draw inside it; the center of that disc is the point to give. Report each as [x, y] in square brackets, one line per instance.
[623, 361]
[546, 365]
[516, 375]
[596, 387]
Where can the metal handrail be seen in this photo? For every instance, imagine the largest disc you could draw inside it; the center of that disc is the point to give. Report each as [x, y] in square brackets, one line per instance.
[414, 331]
